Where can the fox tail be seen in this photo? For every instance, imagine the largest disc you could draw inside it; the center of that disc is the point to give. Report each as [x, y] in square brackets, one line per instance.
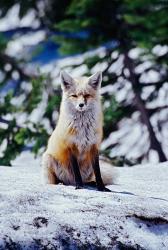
[107, 172]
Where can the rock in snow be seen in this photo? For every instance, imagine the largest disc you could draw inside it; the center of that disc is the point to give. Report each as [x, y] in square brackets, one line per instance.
[133, 216]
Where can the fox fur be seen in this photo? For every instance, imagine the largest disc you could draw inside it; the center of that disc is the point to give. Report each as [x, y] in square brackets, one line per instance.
[78, 132]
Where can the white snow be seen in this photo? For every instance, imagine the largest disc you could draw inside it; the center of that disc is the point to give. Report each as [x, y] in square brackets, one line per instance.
[12, 20]
[20, 46]
[160, 50]
[33, 216]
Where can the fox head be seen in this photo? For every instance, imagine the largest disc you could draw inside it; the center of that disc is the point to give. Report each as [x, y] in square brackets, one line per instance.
[80, 94]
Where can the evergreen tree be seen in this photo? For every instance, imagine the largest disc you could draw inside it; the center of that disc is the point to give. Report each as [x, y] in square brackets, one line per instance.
[129, 24]
[118, 28]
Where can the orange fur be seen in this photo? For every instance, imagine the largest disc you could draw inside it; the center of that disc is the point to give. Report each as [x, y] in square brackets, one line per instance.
[65, 140]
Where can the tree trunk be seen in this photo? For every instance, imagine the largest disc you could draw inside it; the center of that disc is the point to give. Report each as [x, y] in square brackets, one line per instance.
[154, 143]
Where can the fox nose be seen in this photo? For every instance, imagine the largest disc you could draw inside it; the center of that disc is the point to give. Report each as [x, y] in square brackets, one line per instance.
[81, 105]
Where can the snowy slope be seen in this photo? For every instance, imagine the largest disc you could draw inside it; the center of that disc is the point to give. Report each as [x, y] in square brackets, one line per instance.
[133, 216]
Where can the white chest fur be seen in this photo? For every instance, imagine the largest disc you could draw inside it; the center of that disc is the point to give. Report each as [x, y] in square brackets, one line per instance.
[85, 125]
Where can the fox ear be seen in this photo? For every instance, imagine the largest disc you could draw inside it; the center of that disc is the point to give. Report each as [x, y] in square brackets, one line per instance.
[95, 80]
[66, 80]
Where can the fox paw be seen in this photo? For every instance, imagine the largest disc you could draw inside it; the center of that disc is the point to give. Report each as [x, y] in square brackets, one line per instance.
[78, 186]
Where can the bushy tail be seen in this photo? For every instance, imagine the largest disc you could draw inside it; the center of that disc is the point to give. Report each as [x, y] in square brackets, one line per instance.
[107, 172]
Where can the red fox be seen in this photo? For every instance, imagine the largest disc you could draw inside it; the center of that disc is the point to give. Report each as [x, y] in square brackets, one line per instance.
[72, 155]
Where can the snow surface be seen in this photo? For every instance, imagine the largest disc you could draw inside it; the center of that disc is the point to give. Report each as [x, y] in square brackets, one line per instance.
[133, 216]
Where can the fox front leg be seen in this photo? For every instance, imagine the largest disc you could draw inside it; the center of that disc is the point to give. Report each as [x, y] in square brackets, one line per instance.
[76, 171]
[99, 181]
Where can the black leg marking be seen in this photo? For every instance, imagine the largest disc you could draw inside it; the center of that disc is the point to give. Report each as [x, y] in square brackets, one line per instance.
[76, 171]
[99, 181]
[91, 184]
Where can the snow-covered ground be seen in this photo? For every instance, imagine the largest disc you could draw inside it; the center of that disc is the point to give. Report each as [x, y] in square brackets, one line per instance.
[133, 216]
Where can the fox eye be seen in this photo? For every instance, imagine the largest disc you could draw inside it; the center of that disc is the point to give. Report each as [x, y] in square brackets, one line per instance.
[87, 96]
[74, 96]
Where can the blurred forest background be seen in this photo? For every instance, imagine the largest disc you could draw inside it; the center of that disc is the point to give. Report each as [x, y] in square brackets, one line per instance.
[127, 40]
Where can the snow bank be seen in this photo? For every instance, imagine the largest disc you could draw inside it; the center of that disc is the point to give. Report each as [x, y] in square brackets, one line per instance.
[133, 216]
